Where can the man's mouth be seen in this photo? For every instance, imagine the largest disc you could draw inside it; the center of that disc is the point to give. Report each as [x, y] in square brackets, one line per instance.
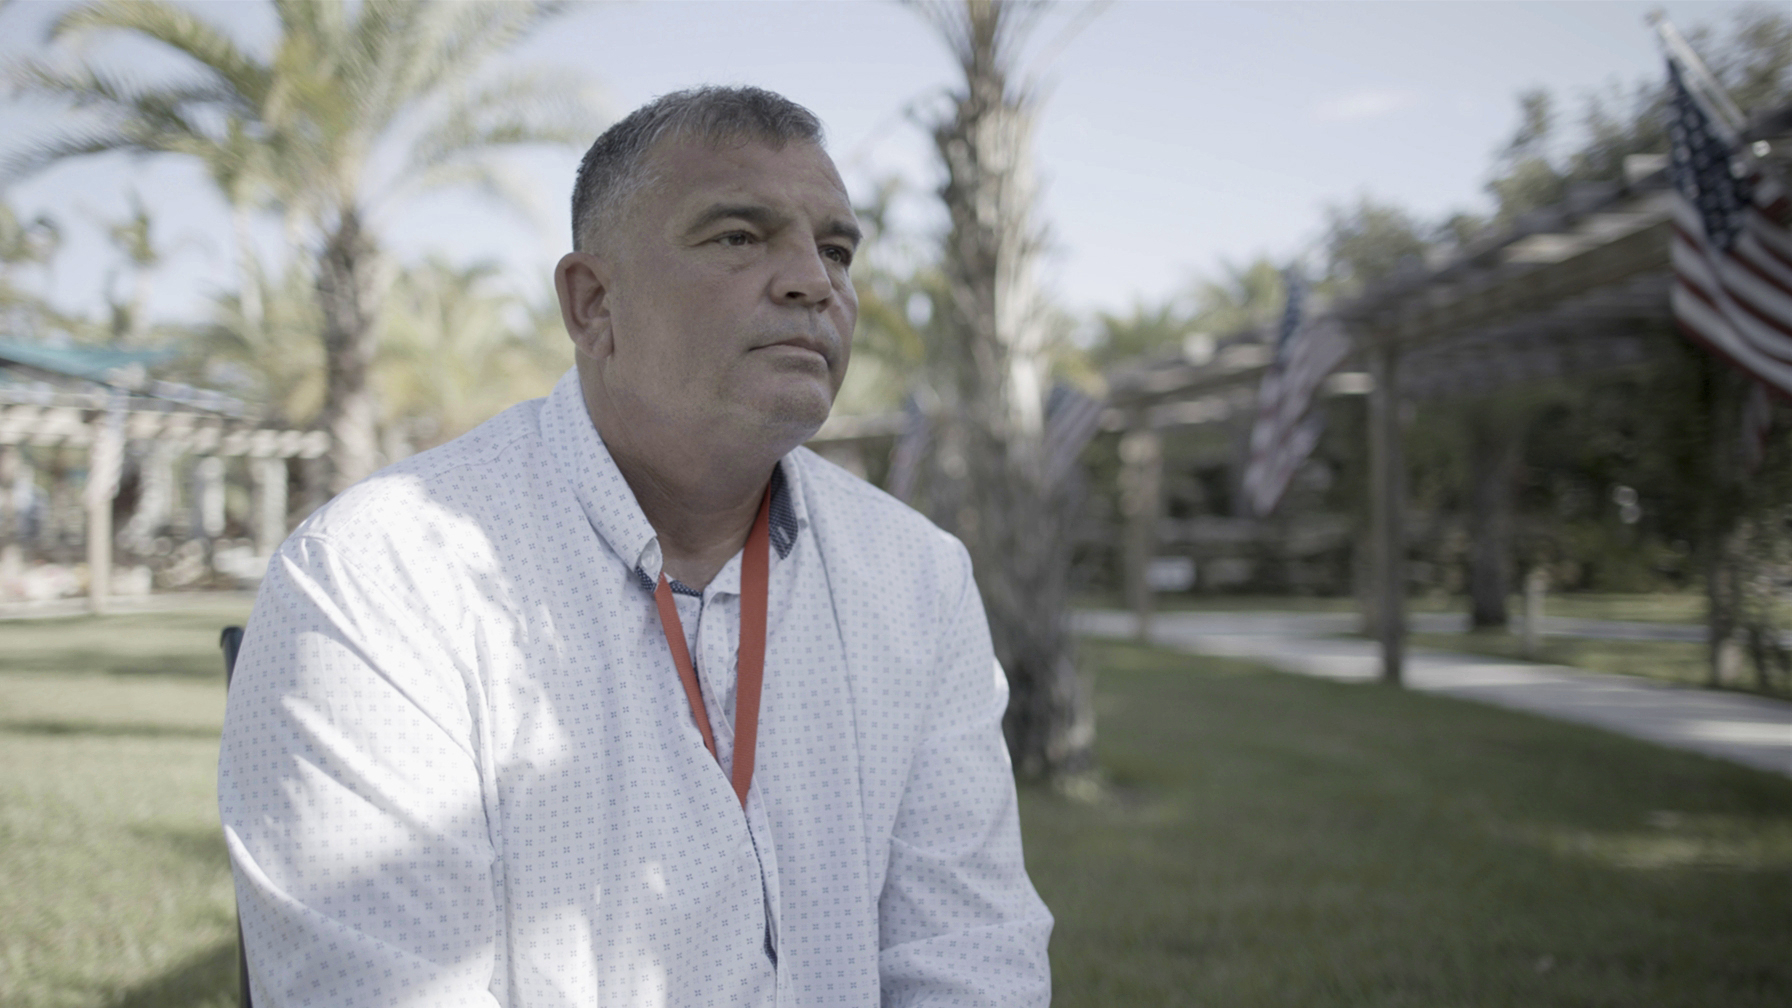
[814, 346]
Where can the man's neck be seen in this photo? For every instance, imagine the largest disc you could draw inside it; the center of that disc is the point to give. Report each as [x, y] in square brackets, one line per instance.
[702, 516]
[700, 489]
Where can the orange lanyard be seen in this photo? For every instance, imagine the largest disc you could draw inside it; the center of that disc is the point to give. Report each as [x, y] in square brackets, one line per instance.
[755, 570]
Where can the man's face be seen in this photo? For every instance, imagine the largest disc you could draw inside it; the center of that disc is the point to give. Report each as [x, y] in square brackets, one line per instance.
[727, 299]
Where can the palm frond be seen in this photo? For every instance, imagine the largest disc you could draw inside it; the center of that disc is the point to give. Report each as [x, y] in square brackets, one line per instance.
[90, 87]
[478, 174]
[179, 29]
[537, 108]
[465, 35]
[403, 52]
[38, 155]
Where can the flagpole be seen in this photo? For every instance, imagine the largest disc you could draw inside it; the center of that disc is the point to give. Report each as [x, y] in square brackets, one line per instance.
[1730, 118]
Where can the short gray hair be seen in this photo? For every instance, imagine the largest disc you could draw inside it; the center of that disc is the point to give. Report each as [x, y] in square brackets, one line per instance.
[615, 166]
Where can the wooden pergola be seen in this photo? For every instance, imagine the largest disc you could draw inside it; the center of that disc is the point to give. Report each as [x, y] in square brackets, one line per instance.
[70, 402]
[1571, 290]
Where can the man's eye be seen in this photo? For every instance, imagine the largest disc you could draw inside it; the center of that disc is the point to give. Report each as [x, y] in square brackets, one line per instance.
[736, 239]
[838, 253]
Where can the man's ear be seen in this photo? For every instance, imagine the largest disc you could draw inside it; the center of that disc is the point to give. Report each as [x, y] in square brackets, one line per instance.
[582, 280]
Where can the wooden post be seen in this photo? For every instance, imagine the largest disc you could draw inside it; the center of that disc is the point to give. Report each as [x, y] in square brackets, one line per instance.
[1387, 510]
[270, 504]
[1141, 480]
[1495, 449]
[208, 507]
[12, 525]
[99, 553]
[1535, 582]
[208, 497]
[105, 458]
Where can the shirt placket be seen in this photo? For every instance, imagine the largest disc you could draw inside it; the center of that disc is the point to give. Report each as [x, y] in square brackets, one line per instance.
[715, 647]
[716, 653]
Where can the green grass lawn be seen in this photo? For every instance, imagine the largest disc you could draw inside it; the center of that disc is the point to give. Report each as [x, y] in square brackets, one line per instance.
[1272, 840]
[1661, 607]
[1283, 841]
[113, 885]
[1656, 607]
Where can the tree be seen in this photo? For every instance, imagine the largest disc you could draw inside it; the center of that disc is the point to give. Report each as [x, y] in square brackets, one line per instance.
[133, 236]
[1241, 298]
[1370, 241]
[451, 353]
[1537, 166]
[898, 283]
[23, 244]
[988, 367]
[303, 125]
[1689, 423]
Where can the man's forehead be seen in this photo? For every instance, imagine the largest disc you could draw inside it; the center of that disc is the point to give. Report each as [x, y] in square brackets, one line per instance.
[691, 172]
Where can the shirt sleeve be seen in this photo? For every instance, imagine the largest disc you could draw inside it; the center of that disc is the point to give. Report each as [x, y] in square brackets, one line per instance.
[351, 798]
[959, 921]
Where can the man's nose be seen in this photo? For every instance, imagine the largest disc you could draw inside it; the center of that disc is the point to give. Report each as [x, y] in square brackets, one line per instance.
[802, 277]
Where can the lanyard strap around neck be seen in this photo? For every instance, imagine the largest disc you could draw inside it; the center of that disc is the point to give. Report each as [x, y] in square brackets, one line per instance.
[755, 572]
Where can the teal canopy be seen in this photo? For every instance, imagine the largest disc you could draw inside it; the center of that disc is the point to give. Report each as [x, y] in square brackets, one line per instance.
[95, 364]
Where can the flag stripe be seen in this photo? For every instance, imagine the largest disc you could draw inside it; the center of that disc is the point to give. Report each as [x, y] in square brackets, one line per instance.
[1740, 322]
[1707, 327]
[1071, 419]
[1719, 287]
[1771, 239]
[1286, 429]
[1748, 254]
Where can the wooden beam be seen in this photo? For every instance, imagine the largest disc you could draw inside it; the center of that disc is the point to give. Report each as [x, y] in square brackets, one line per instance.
[1513, 290]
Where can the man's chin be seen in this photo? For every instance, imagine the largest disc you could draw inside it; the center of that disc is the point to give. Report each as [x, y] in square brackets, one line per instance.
[793, 418]
[801, 425]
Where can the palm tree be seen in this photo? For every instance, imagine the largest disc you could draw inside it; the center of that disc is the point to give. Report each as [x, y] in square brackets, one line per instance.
[988, 367]
[451, 354]
[303, 127]
[1241, 298]
[23, 244]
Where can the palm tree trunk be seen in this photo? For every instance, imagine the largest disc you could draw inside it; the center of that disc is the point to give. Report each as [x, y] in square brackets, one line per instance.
[988, 367]
[345, 293]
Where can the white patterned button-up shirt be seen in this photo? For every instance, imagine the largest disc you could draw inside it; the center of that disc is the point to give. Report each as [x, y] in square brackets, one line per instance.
[459, 768]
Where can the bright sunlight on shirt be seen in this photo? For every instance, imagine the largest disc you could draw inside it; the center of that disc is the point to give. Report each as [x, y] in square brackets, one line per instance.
[459, 768]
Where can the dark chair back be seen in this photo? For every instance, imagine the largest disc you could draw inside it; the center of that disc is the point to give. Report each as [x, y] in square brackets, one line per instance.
[231, 640]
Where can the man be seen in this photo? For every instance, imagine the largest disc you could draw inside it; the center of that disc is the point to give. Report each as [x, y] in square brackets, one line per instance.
[624, 698]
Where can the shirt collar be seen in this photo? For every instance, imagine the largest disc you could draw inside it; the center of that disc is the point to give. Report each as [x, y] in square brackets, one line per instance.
[610, 505]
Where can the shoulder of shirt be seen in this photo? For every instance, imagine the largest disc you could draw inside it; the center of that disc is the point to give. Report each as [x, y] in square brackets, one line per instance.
[408, 491]
[851, 507]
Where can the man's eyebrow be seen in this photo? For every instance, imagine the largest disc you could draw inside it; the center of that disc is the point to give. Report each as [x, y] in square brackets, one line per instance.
[765, 217]
[752, 213]
[838, 228]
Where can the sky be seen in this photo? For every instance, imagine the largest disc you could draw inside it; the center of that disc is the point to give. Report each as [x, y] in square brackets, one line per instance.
[1173, 137]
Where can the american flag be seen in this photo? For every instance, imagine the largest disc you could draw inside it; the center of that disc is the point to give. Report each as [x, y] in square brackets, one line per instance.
[905, 454]
[1732, 250]
[1307, 349]
[1071, 419]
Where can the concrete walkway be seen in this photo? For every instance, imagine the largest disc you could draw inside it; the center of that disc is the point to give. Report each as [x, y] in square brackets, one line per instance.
[176, 601]
[1754, 731]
